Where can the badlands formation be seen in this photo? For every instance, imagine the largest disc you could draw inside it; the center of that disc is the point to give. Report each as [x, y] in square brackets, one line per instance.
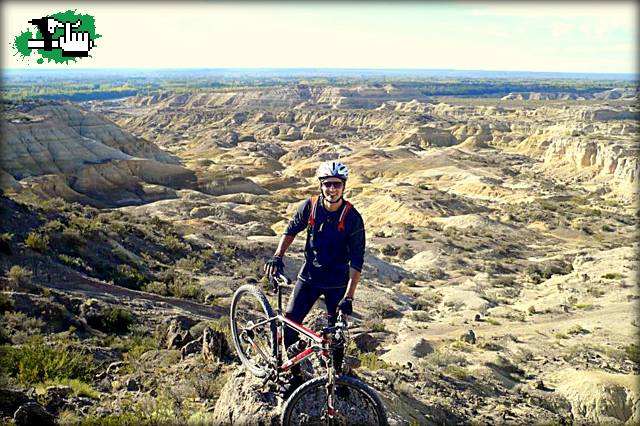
[500, 279]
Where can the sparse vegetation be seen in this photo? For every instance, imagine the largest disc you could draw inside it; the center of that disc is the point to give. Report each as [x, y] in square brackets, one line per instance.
[371, 361]
[37, 241]
[633, 352]
[37, 362]
[389, 250]
[374, 325]
[382, 308]
[19, 277]
[613, 276]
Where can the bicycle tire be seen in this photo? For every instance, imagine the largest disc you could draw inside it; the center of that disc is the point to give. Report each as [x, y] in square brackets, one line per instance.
[252, 305]
[307, 405]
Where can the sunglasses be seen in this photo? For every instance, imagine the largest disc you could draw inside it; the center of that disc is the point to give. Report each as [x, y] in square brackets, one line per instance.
[337, 185]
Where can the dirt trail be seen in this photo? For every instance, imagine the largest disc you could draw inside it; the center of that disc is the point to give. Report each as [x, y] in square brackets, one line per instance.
[439, 332]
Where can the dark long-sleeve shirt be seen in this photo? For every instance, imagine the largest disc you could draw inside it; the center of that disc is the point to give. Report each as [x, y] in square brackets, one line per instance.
[329, 252]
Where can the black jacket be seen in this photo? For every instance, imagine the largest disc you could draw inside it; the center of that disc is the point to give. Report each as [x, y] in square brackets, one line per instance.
[329, 252]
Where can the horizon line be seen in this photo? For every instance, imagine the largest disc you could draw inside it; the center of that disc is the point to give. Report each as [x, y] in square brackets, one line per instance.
[321, 69]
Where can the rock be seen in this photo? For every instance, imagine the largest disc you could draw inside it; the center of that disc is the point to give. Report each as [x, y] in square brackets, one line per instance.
[132, 385]
[10, 400]
[177, 336]
[365, 342]
[92, 311]
[469, 337]
[214, 345]
[243, 402]
[190, 348]
[32, 413]
[55, 397]
[600, 398]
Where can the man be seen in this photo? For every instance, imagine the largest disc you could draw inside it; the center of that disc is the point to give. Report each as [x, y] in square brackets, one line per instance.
[334, 253]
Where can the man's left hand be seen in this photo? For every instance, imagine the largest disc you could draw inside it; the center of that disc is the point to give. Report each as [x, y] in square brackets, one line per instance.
[346, 305]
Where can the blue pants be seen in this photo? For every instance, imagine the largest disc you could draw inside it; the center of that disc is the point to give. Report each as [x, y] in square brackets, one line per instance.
[304, 295]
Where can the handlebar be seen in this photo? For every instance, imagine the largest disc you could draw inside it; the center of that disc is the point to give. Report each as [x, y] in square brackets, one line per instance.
[279, 280]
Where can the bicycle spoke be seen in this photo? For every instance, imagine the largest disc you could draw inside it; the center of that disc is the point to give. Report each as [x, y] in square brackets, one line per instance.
[253, 330]
[351, 405]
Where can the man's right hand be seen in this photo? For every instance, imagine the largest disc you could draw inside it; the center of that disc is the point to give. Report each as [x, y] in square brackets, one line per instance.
[273, 266]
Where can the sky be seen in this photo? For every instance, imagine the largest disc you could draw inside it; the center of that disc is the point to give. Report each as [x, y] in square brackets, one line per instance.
[589, 37]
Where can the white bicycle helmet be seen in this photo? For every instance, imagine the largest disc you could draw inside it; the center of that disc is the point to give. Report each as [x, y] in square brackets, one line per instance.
[332, 169]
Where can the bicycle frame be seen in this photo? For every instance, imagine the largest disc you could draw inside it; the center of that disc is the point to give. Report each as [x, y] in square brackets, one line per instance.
[316, 343]
[321, 344]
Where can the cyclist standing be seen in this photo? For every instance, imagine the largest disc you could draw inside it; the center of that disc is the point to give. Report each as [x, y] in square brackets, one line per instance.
[334, 254]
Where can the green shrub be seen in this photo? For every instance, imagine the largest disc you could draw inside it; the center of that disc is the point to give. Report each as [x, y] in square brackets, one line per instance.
[459, 373]
[405, 252]
[389, 250]
[71, 261]
[493, 321]
[576, 329]
[185, 288]
[52, 226]
[190, 263]
[613, 276]
[419, 316]
[136, 345]
[36, 362]
[443, 358]
[128, 276]
[6, 303]
[37, 241]
[173, 244]
[633, 352]
[426, 301]
[71, 238]
[19, 277]
[78, 387]
[374, 325]
[85, 225]
[382, 308]
[18, 321]
[125, 419]
[371, 361]
[229, 251]
[115, 319]
[157, 287]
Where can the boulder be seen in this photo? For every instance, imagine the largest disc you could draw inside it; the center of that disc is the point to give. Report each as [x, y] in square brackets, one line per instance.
[32, 413]
[214, 345]
[10, 400]
[92, 311]
[469, 337]
[55, 397]
[177, 337]
[365, 342]
[598, 397]
[190, 348]
[243, 401]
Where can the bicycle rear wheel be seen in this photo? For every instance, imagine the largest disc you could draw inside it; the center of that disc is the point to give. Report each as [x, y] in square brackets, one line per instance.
[254, 336]
[355, 403]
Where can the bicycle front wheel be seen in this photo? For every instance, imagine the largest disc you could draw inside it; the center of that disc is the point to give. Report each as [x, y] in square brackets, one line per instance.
[355, 403]
[253, 329]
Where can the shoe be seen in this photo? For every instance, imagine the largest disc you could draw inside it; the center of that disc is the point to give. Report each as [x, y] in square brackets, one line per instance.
[291, 385]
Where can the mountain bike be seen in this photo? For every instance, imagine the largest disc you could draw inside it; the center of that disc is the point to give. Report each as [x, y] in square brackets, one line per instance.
[330, 399]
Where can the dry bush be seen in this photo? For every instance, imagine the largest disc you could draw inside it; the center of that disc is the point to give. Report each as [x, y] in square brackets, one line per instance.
[19, 277]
